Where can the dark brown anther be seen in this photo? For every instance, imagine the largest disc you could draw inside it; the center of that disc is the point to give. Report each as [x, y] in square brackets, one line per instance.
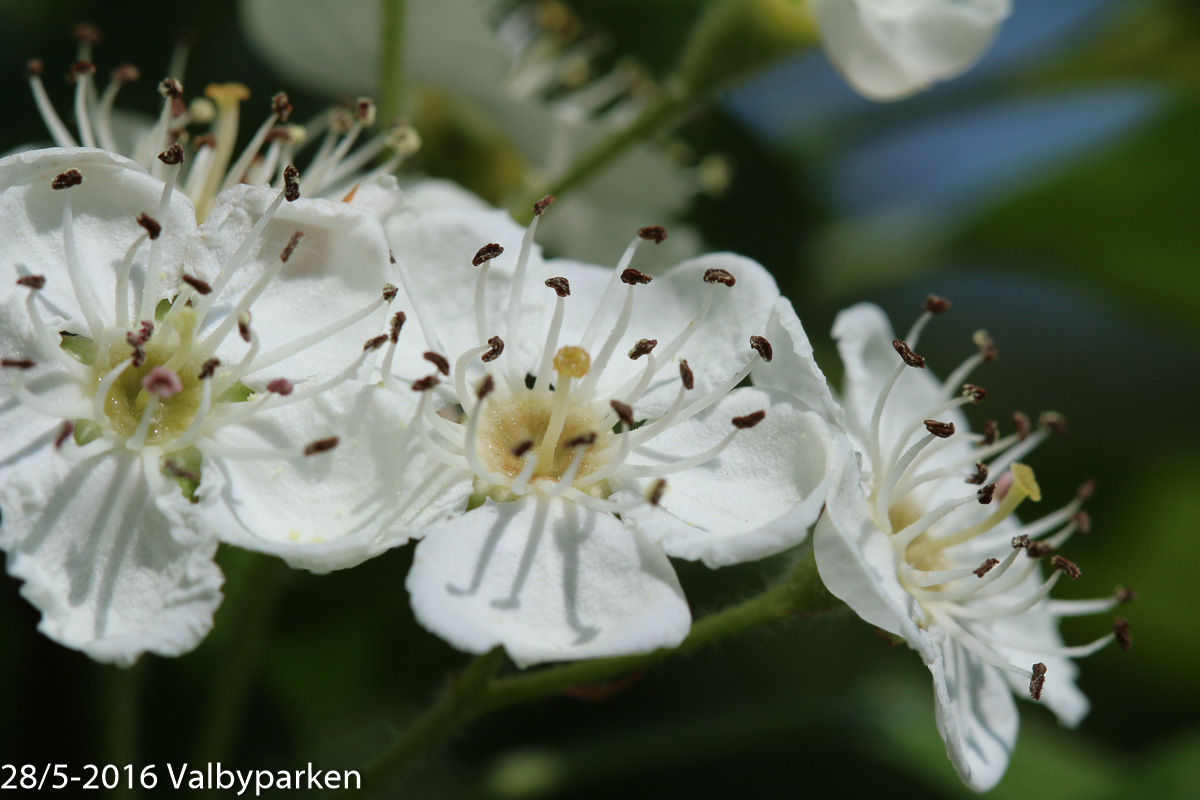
[137, 347]
[280, 107]
[66, 180]
[936, 305]
[280, 386]
[653, 233]
[1067, 566]
[561, 286]
[540, 206]
[1021, 541]
[523, 448]
[624, 412]
[375, 342]
[719, 276]
[749, 421]
[145, 331]
[34, 68]
[169, 87]
[486, 387]
[438, 360]
[907, 355]
[1054, 422]
[761, 346]
[1038, 681]
[1086, 490]
[987, 347]
[321, 446]
[389, 292]
[989, 433]
[391, 257]
[291, 183]
[17, 363]
[976, 393]
[126, 73]
[208, 368]
[80, 69]
[1040, 549]
[1121, 631]
[582, 440]
[685, 375]
[497, 348]
[32, 281]
[1082, 522]
[1024, 426]
[635, 277]
[86, 33]
[425, 384]
[1124, 595]
[64, 433]
[486, 254]
[364, 111]
[986, 567]
[986, 493]
[244, 326]
[398, 321]
[153, 228]
[291, 246]
[657, 490]
[204, 140]
[643, 347]
[172, 155]
[177, 469]
[200, 286]
[981, 474]
[942, 430]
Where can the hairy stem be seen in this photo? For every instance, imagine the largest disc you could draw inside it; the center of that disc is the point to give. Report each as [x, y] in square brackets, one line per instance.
[477, 692]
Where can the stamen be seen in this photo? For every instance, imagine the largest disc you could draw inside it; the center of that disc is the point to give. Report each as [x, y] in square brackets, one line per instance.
[138, 440]
[1037, 681]
[162, 383]
[942, 430]
[541, 385]
[438, 360]
[642, 348]
[483, 259]
[62, 137]
[993, 612]
[907, 355]
[610, 344]
[987, 347]
[228, 97]
[81, 75]
[624, 412]
[32, 281]
[83, 294]
[423, 319]
[1054, 422]
[49, 344]
[749, 421]
[280, 109]
[980, 475]
[67, 430]
[686, 376]
[1065, 565]
[321, 446]
[280, 386]
[989, 433]
[657, 489]
[18, 363]
[653, 233]
[1024, 485]
[660, 470]
[719, 276]
[126, 73]
[385, 369]
[514, 299]
[520, 484]
[969, 642]
[214, 339]
[1024, 426]
[200, 286]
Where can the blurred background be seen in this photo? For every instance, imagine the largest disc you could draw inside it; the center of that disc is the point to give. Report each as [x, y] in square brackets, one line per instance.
[1052, 193]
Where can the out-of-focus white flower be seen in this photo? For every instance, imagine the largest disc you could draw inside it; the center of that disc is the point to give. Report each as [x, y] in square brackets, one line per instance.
[137, 423]
[565, 397]
[450, 45]
[914, 547]
[888, 49]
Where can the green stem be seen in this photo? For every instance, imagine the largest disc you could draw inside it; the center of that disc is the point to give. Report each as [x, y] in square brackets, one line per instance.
[120, 744]
[391, 60]
[800, 593]
[263, 584]
[648, 123]
[456, 705]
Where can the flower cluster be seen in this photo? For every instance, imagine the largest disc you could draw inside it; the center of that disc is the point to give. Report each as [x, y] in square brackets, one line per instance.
[328, 367]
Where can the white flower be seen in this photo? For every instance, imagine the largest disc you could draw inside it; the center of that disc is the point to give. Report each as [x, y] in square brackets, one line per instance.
[450, 46]
[130, 383]
[922, 546]
[564, 395]
[889, 49]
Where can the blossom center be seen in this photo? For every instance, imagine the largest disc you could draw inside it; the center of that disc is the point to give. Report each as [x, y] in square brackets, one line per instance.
[508, 426]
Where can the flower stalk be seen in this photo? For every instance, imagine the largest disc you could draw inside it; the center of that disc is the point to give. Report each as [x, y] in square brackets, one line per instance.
[391, 59]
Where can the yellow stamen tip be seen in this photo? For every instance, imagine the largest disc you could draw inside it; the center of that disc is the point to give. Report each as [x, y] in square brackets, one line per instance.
[572, 361]
[227, 94]
[1023, 478]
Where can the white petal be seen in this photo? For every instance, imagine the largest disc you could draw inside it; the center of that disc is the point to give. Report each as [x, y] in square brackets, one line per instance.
[666, 307]
[114, 192]
[758, 498]
[437, 247]
[331, 510]
[887, 49]
[976, 715]
[549, 580]
[857, 564]
[111, 573]
[338, 267]
[793, 368]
